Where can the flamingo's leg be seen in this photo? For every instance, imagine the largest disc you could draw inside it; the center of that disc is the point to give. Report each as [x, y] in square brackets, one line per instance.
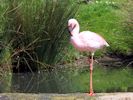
[91, 71]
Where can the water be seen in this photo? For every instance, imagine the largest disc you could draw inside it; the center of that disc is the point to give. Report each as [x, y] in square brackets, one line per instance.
[74, 79]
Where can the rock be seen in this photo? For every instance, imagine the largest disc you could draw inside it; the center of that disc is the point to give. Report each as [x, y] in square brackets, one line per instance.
[4, 97]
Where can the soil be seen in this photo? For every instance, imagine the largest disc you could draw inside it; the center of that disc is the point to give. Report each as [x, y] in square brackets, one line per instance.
[108, 61]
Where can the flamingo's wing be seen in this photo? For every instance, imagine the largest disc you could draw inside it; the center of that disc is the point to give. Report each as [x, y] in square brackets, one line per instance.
[92, 40]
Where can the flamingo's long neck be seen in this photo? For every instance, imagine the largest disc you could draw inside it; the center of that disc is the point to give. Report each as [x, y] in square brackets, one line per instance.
[75, 39]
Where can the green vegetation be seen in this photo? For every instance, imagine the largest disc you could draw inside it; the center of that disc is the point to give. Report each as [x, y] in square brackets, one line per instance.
[33, 36]
[112, 20]
[35, 30]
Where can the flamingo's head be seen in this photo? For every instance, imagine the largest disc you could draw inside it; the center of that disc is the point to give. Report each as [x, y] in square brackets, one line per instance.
[73, 26]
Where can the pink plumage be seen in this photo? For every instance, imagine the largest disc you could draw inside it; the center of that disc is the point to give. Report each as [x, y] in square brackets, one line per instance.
[86, 41]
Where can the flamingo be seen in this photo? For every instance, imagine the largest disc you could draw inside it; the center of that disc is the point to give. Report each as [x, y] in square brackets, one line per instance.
[86, 41]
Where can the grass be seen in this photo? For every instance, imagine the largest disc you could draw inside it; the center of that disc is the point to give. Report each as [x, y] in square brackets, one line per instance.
[33, 33]
[110, 21]
[36, 30]
[36, 33]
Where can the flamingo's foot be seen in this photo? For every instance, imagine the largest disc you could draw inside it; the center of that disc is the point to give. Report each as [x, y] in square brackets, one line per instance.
[91, 94]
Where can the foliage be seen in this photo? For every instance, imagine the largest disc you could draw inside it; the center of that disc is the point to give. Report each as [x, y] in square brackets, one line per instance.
[36, 30]
[110, 19]
[33, 34]
[5, 54]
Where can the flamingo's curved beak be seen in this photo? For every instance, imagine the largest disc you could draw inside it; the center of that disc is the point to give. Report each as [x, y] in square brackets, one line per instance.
[71, 28]
[69, 32]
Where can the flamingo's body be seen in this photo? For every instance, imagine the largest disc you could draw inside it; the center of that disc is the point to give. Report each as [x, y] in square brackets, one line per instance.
[85, 41]
[88, 41]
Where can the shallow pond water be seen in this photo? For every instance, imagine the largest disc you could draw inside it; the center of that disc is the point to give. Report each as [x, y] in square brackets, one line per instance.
[74, 79]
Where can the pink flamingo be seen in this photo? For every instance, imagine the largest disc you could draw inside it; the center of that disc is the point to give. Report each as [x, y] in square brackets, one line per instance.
[85, 41]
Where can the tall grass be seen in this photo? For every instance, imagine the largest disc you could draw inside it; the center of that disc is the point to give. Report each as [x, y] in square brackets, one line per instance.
[5, 53]
[37, 30]
[33, 34]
